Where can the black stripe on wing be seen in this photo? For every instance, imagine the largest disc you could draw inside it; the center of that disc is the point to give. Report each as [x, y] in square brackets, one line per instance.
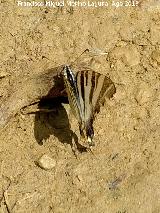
[107, 91]
[101, 87]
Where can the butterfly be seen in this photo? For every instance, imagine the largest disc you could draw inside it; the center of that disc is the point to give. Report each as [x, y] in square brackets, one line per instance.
[86, 92]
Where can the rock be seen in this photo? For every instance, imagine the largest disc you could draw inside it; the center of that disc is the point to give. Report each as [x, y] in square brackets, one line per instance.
[129, 55]
[156, 55]
[143, 94]
[127, 33]
[46, 162]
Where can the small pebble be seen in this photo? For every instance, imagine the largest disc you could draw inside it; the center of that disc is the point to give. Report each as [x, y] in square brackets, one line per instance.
[156, 55]
[46, 162]
[143, 94]
[129, 55]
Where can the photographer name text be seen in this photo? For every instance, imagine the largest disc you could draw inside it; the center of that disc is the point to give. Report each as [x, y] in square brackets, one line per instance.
[73, 3]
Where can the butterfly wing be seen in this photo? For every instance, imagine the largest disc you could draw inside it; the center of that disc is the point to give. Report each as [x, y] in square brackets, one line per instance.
[72, 92]
[86, 93]
[92, 88]
[103, 88]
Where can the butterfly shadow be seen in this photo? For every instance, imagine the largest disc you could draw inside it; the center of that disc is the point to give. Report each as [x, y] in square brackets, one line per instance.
[52, 119]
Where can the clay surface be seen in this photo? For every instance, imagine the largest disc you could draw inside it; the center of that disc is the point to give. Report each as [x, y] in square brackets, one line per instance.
[122, 173]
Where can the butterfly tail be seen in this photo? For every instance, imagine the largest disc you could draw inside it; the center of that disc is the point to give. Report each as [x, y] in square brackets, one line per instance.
[90, 132]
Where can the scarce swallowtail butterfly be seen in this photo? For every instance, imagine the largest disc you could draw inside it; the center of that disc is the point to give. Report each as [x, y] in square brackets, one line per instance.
[86, 92]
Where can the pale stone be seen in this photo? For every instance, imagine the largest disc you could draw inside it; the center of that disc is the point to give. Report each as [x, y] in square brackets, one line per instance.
[46, 162]
[143, 94]
[156, 55]
[129, 55]
[127, 33]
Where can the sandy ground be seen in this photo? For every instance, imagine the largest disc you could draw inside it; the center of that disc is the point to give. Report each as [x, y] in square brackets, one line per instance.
[122, 175]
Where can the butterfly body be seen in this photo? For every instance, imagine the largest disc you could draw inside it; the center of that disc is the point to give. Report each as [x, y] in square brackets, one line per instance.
[86, 92]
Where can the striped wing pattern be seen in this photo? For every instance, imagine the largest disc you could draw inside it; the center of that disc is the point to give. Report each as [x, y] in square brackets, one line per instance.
[72, 91]
[86, 93]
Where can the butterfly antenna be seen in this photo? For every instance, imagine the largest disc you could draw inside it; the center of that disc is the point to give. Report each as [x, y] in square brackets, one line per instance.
[92, 51]
[86, 50]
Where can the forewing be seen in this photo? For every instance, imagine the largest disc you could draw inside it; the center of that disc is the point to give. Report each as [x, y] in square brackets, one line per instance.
[72, 92]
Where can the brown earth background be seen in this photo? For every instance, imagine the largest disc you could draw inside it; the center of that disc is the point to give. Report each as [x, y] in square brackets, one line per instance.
[122, 175]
